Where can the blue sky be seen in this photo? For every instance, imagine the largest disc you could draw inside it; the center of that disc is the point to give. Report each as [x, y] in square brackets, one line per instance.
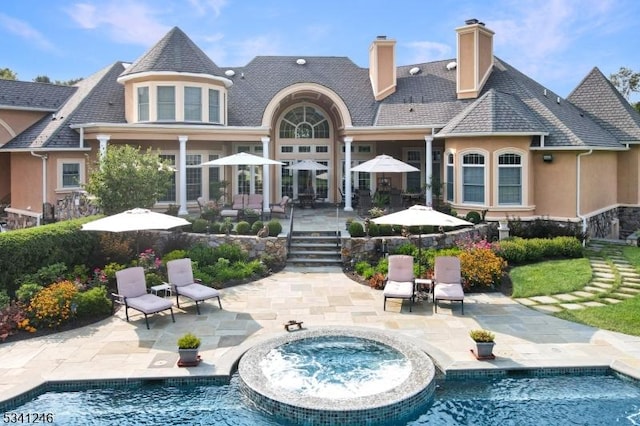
[556, 42]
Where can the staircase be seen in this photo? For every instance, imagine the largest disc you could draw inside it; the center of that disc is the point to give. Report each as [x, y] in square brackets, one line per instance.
[314, 248]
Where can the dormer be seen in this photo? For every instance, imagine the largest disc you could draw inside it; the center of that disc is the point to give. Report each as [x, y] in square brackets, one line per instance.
[382, 67]
[475, 58]
[175, 81]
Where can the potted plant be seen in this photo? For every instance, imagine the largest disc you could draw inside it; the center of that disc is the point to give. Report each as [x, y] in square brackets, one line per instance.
[485, 340]
[188, 346]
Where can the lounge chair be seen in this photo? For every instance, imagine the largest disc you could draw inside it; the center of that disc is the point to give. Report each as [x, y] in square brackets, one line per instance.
[254, 201]
[132, 293]
[181, 280]
[400, 280]
[447, 281]
[281, 207]
[240, 202]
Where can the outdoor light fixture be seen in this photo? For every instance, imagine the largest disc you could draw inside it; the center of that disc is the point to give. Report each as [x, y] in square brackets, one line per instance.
[547, 158]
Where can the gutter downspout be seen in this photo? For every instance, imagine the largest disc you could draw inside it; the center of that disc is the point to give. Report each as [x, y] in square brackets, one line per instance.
[578, 199]
[44, 180]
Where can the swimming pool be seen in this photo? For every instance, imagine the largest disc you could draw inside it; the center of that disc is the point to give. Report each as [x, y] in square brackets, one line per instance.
[555, 400]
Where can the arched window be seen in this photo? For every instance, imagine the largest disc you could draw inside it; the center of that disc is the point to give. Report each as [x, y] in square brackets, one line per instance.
[304, 122]
[509, 179]
[473, 172]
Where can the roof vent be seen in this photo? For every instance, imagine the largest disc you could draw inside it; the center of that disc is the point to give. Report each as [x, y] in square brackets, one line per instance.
[381, 37]
[414, 70]
[545, 92]
[452, 65]
[558, 99]
[472, 21]
[229, 73]
[301, 61]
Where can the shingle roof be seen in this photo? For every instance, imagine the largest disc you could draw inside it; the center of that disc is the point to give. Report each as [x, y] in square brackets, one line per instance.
[494, 112]
[94, 100]
[597, 96]
[34, 96]
[174, 52]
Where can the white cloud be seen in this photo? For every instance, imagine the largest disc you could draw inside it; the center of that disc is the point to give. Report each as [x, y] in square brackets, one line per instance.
[125, 21]
[25, 31]
[202, 6]
[426, 51]
[243, 51]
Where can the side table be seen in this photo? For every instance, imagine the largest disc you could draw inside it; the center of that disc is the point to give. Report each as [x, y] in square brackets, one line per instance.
[421, 283]
[161, 287]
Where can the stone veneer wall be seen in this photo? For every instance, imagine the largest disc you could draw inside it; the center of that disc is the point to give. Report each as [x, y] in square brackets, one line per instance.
[370, 248]
[629, 217]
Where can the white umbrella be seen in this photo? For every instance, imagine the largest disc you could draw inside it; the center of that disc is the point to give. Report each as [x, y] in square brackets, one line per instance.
[135, 220]
[241, 159]
[420, 216]
[307, 165]
[384, 164]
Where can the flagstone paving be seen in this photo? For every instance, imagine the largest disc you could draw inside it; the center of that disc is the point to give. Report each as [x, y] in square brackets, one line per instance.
[614, 280]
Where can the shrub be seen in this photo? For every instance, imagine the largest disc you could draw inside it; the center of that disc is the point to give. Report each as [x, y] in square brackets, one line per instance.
[51, 306]
[153, 279]
[25, 293]
[517, 250]
[256, 227]
[12, 318]
[364, 269]
[110, 271]
[214, 228]
[275, 228]
[4, 299]
[481, 268]
[92, 302]
[116, 247]
[243, 228]
[173, 255]
[356, 229]
[204, 255]
[513, 250]
[473, 217]
[377, 281]
[374, 229]
[385, 230]
[46, 274]
[200, 226]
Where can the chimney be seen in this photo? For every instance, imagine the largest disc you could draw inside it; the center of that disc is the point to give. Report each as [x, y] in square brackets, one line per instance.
[382, 67]
[475, 58]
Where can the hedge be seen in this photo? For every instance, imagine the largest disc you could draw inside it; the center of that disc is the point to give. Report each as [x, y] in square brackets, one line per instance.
[24, 251]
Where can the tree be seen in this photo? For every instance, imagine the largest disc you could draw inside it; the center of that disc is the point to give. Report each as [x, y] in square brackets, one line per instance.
[8, 74]
[626, 81]
[127, 178]
[42, 79]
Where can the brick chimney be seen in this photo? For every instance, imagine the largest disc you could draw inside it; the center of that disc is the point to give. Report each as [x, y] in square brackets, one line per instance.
[475, 58]
[382, 67]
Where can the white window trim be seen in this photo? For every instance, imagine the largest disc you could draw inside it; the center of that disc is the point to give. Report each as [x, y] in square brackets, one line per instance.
[459, 176]
[524, 180]
[445, 179]
[59, 163]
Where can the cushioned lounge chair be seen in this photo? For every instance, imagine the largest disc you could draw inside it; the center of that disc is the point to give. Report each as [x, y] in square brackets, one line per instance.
[447, 281]
[400, 280]
[181, 280]
[281, 207]
[132, 292]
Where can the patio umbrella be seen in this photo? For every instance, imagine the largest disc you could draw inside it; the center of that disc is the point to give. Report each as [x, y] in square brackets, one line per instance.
[135, 220]
[241, 159]
[384, 164]
[420, 216]
[307, 165]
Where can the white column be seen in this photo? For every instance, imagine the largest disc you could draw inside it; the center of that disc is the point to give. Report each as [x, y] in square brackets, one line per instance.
[182, 174]
[102, 150]
[429, 170]
[347, 174]
[266, 178]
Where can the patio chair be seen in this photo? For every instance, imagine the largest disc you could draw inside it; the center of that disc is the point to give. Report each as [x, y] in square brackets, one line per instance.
[132, 292]
[281, 207]
[181, 280]
[254, 201]
[400, 280]
[447, 281]
[364, 202]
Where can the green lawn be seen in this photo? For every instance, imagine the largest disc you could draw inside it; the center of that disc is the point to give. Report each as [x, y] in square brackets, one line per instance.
[552, 277]
[622, 317]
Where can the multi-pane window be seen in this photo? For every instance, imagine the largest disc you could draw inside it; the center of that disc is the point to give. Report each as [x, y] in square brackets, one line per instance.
[473, 178]
[194, 177]
[510, 179]
[216, 188]
[304, 122]
[170, 195]
[143, 104]
[214, 106]
[192, 104]
[166, 103]
[70, 175]
[286, 179]
[413, 178]
[450, 178]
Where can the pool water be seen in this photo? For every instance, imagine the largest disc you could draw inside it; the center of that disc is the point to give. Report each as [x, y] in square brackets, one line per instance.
[557, 400]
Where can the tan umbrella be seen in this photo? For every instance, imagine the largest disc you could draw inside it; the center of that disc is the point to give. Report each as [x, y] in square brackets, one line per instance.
[307, 165]
[135, 220]
[419, 215]
[241, 159]
[384, 164]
